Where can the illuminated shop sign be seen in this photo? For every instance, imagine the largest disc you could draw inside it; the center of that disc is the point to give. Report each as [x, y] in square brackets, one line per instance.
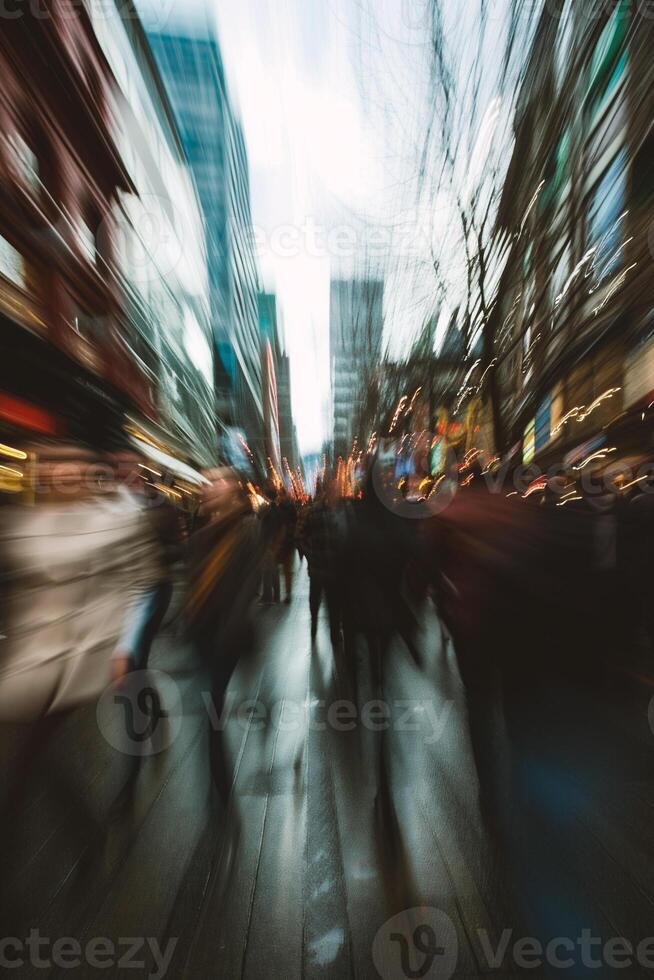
[529, 442]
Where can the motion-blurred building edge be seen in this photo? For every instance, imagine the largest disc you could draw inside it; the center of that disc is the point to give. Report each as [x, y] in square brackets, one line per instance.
[282, 451]
[573, 328]
[191, 64]
[356, 327]
[565, 361]
[102, 315]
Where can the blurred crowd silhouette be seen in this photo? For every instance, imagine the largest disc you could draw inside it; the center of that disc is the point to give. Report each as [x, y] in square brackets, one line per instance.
[535, 590]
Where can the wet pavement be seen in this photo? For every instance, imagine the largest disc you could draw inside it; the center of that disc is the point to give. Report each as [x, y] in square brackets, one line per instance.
[335, 828]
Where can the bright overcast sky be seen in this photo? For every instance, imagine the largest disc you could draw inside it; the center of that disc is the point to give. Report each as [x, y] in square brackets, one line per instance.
[329, 154]
[334, 98]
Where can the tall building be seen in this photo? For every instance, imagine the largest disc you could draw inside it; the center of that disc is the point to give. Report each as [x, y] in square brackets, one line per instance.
[102, 254]
[192, 67]
[193, 72]
[270, 336]
[356, 326]
[244, 290]
[287, 434]
[159, 240]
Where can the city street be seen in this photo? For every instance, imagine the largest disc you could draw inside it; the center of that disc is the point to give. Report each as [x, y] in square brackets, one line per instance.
[306, 866]
[327, 489]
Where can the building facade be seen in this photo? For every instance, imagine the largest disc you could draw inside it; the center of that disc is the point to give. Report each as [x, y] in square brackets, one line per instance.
[281, 438]
[102, 250]
[356, 326]
[160, 242]
[573, 327]
[65, 369]
[193, 72]
[192, 67]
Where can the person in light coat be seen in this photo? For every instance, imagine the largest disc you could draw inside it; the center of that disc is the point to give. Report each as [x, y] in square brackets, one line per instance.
[74, 564]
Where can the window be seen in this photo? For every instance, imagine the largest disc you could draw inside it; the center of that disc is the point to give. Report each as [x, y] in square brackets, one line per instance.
[564, 41]
[529, 443]
[86, 240]
[556, 173]
[11, 263]
[25, 160]
[543, 423]
[606, 224]
[609, 61]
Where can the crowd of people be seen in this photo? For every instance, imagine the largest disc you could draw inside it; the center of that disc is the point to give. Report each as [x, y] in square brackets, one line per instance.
[531, 588]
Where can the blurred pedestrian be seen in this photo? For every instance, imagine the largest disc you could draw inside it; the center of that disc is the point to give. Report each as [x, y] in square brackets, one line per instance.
[286, 545]
[225, 557]
[271, 517]
[74, 565]
[322, 543]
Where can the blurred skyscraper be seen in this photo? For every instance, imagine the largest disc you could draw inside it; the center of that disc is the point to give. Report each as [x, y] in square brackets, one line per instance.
[356, 325]
[192, 68]
[103, 269]
[286, 439]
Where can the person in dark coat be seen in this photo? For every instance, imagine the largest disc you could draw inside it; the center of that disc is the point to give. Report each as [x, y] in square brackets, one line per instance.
[224, 573]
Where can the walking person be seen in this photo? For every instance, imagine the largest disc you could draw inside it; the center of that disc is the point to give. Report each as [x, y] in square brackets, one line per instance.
[286, 546]
[74, 564]
[272, 525]
[161, 516]
[322, 544]
[225, 557]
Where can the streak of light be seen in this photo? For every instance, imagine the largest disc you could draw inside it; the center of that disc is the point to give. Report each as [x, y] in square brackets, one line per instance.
[531, 205]
[437, 485]
[11, 452]
[601, 454]
[483, 377]
[634, 483]
[491, 463]
[413, 400]
[569, 500]
[398, 411]
[168, 491]
[573, 275]
[598, 401]
[614, 287]
[538, 487]
[566, 418]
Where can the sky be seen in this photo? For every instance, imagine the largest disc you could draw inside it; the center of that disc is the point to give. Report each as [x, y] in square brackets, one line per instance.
[336, 98]
[309, 77]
